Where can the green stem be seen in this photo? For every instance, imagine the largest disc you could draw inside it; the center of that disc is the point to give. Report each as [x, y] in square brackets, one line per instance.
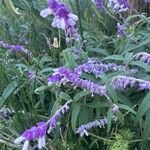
[79, 15]
[100, 138]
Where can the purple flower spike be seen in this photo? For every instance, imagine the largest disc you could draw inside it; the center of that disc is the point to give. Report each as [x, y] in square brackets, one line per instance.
[39, 132]
[99, 4]
[123, 82]
[52, 122]
[65, 75]
[13, 48]
[36, 132]
[143, 56]
[82, 130]
[119, 5]
[100, 68]
[145, 85]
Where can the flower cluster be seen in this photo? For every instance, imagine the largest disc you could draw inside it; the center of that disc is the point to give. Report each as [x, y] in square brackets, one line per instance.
[13, 48]
[5, 113]
[123, 82]
[39, 131]
[121, 30]
[82, 130]
[36, 132]
[31, 74]
[100, 68]
[63, 18]
[143, 56]
[119, 5]
[64, 75]
[52, 122]
[99, 4]
[147, 1]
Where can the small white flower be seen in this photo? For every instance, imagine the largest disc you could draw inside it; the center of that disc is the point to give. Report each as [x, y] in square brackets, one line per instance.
[72, 16]
[41, 142]
[25, 145]
[44, 13]
[19, 140]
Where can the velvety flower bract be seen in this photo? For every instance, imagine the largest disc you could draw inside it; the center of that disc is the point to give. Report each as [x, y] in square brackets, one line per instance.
[83, 129]
[63, 18]
[38, 132]
[143, 56]
[13, 48]
[122, 82]
[65, 75]
[121, 30]
[99, 4]
[31, 74]
[101, 68]
[119, 5]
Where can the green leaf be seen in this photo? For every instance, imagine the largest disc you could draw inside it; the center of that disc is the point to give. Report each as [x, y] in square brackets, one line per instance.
[124, 100]
[55, 107]
[41, 88]
[143, 43]
[99, 50]
[69, 58]
[120, 117]
[22, 67]
[128, 58]
[74, 115]
[64, 96]
[85, 115]
[142, 65]
[114, 57]
[146, 132]
[112, 93]
[96, 105]
[8, 91]
[46, 70]
[109, 118]
[10, 6]
[80, 95]
[144, 107]
[121, 106]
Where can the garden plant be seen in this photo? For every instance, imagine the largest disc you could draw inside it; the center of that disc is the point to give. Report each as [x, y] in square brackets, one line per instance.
[75, 74]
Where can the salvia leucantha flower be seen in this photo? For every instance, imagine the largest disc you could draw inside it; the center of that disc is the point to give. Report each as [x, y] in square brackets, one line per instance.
[38, 132]
[143, 56]
[31, 75]
[121, 30]
[122, 82]
[65, 75]
[13, 48]
[83, 129]
[99, 4]
[101, 68]
[52, 122]
[119, 5]
[63, 18]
